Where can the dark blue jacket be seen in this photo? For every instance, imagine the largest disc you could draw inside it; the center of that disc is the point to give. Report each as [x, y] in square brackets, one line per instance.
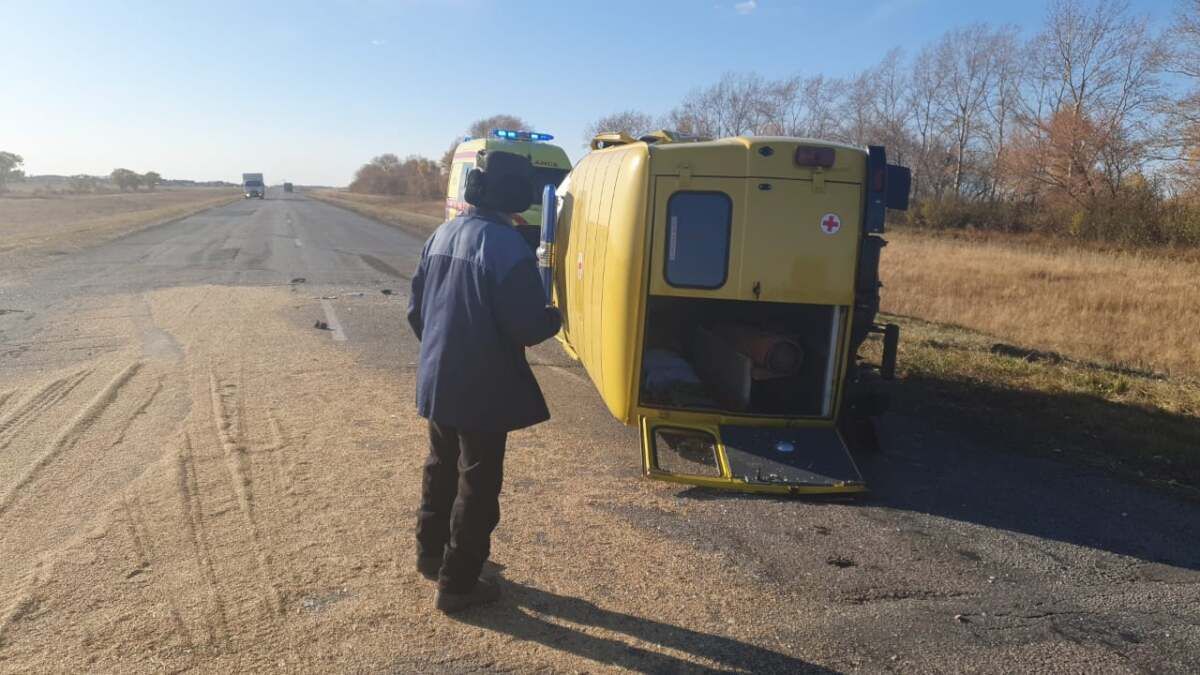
[477, 302]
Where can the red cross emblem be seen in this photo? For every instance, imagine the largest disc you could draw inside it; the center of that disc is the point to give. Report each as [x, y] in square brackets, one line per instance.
[830, 223]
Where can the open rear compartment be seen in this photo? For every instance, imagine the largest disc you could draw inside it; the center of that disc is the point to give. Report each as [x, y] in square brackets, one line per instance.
[740, 357]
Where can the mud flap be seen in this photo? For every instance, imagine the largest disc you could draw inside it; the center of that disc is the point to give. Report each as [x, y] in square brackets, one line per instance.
[778, 460]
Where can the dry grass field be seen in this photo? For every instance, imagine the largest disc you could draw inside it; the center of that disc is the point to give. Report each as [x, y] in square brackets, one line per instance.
[39, 225]
[1139, 310]
[1046, 349]
[418, 217]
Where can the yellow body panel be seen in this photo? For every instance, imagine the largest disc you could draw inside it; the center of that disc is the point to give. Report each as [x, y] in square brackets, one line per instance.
[599, 260]
[609, 256]
[541, 154]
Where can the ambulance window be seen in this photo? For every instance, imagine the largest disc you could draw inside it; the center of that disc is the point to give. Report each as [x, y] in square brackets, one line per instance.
[462, 179]
[698, 229]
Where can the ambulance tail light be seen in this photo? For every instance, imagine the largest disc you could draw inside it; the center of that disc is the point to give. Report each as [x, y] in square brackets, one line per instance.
[888, 186]
[815, 156]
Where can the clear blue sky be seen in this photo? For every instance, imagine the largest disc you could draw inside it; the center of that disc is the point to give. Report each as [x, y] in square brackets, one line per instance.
[308, 91]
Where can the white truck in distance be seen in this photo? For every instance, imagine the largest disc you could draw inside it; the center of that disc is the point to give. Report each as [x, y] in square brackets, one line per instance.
[252, 186]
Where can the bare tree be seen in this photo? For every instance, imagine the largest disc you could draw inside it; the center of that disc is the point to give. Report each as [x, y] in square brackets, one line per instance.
[633, 122]
[965, 55]
[1183, 115]
[1001, 104]
[485, 126]
[731, 107]
[890, 108]
[386, 174]
[926, 90]
[1099, 67]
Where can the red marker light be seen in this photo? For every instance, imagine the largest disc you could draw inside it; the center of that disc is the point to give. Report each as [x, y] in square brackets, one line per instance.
[879, 179]
[809, 155]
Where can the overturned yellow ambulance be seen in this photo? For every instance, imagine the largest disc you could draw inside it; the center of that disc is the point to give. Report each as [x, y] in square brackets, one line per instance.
[717, 292]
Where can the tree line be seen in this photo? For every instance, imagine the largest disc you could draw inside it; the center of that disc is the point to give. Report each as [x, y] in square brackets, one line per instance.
[1089, 128]
[11, 171]
[418, 176]
[125, 179]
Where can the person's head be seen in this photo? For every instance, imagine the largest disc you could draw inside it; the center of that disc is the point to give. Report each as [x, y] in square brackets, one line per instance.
[501, 181]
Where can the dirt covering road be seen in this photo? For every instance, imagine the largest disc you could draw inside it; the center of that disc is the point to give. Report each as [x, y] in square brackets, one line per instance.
[193, 477]
[34, 227]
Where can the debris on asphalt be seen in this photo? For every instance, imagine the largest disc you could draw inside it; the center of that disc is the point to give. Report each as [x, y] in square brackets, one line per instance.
[321, 325]
[327, 297]
[298, 280]
[357, 294]
[387, 291]
[839, 561]
[961, 618]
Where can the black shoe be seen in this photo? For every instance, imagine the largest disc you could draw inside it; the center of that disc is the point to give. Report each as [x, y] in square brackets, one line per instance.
[485, 591]
[429, 566]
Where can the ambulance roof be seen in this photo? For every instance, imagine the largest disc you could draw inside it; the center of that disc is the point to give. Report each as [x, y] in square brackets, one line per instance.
[766, 156]
[540, 153]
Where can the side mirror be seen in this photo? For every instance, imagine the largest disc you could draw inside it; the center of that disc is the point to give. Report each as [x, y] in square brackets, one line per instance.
[899, 184]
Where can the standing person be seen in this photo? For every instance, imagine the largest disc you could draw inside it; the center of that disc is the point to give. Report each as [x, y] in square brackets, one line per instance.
[477, 303]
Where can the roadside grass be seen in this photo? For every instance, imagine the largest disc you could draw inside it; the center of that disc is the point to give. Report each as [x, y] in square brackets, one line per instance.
[415, 216]
[58, 224]
[1140, 425]
[1137, 309]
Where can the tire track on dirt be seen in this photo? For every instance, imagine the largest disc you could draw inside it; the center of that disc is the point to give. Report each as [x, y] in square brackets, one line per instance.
[69, 435]
[24, 601]
[143, 546]
[188, 485]
[38, 402]
[137, 412]
[283, 471]
[228, 412]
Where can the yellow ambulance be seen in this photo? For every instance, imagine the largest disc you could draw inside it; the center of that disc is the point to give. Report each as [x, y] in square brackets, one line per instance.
[550, 166]
[717, 292]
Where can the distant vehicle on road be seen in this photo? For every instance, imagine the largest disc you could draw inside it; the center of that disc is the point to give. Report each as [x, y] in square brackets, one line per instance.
[287, 187]
[253, 186]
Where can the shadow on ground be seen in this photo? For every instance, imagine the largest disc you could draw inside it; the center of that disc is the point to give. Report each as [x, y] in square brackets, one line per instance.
[1060, 467]
[536, 615]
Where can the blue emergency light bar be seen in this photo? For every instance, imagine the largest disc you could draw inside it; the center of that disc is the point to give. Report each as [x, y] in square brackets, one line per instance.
[510, 135]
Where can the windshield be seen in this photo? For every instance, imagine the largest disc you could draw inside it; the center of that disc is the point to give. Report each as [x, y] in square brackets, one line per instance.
[254, 183]
[543, 176]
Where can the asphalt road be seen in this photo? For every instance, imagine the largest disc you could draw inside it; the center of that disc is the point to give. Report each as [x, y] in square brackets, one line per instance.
[962, 558]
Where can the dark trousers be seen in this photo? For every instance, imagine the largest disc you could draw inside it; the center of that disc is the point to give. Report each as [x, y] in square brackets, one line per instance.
[460, 502]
